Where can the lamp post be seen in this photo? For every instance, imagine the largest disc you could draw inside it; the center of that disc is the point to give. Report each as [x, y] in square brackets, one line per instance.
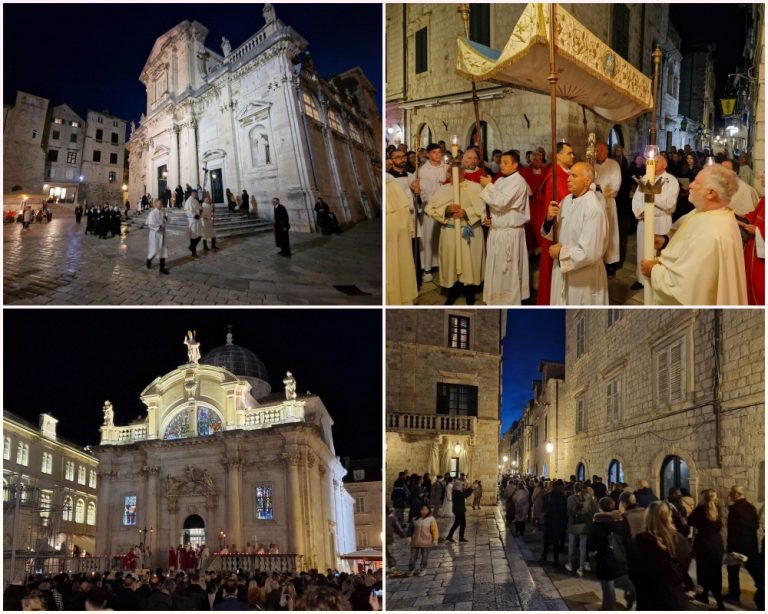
[222, 539]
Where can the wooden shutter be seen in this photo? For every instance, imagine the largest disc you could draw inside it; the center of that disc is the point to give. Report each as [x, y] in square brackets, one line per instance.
[421, 51]
[676, 373]
[662, 377]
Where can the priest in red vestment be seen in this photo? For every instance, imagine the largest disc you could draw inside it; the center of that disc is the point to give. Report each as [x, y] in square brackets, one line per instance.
[535, 174]
[754, 254]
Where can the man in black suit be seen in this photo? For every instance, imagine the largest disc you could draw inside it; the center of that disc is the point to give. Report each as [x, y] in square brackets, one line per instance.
[281, 228]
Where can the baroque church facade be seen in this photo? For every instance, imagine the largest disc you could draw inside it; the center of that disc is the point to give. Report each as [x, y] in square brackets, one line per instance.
[257, 117]
[219, 459]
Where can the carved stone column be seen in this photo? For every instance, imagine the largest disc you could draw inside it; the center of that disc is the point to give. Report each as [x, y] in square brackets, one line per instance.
[151, 473]
[293, 460]
[234, 466]
[174, 174]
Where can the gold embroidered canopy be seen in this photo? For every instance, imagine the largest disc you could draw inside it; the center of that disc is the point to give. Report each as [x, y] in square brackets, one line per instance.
[589, 72]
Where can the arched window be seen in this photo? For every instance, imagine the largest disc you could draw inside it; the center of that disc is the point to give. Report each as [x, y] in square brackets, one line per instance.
[7, 448]
[581, 472]
[66, 512]
[425, 136]
[80, 511]
[615, 472]
[208, 423]
[91, 516]
[674, 474]
[310, 107]
[6, 490]
[334, 121]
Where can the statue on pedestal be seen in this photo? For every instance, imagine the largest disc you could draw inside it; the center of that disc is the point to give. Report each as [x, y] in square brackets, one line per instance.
[226, 46]
[269, 13]
[193, 347]
[290, 386]
[109, 414]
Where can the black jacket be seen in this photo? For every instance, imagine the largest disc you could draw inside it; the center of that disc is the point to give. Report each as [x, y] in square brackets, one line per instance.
[555, 517]
[657, 576]
[610, 538]
[281, 217]
[743, 524]
[708, 543]
[459, 496]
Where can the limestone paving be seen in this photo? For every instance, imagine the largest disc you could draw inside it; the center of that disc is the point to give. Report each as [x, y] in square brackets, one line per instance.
[57, 264]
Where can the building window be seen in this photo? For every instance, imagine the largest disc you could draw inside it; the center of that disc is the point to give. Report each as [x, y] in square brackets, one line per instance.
[47, 465]
[113, 158]
[456, 399]
[359, 505]
[80, 511]
[22, 454]
[580, 415]
[92, 479]
[55, 135]
[674, 474]
[7, 448]
[112, 177]
[53, 155]
[615, 472]
[58, 120]
[46, 496]
[90, 517]
[69, 470]
[581, 336]
[362, 539]
[334, 121]
[6, 491]
[620, 39]
[74, 124]
[421, 51]
[480, 24]
[454, 471]
[613, 400]
[536, 436]
[310, 107]
[581, 472]
[113, 138]
[614, 315]
[99, 134]
[458, 332]
[71, 157]
[73, 137]
[50, 173]
[670, 373]
[81, 475]
[99, 120]
[114, 124]
[354, 132]
[129, 510]
[264, 502]
[96, 155]
[68, 508]
[546, 430]
[358, 475]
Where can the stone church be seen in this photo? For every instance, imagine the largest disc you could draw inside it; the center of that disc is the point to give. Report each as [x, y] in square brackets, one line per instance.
[256, 117]
[220, 459]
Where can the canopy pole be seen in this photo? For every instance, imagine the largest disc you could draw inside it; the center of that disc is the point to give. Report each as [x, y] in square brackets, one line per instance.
[552, 78]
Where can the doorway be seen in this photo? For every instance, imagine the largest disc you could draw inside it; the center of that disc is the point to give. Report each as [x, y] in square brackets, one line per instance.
[162, 180]
[674, 474]
[194, 531]
[217, 183]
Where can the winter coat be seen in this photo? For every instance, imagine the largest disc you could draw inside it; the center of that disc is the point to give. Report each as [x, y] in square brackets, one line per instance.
[399, 495]
[521, 507]
[610, 538]
[555, 517]
[635, 516]
[577, 514]
[537, 511]
[743, 525]
[657, 576]
[436, 494]
[425, 533]
[707, 543]
[459, 497]
[645, 497]
[600, 490]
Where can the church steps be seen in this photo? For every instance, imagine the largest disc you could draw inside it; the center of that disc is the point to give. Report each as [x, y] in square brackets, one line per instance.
[225, 223]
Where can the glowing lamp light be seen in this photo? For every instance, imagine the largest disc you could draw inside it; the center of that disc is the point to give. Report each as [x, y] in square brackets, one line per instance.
[499, 466]
[455, 145]
[514, 463]
[213, 175]
[731, 130]
[457, 448]
[81, 177]
[505, 458]
[550, 447]
[390, 130]
[651, 152]
[125, 187]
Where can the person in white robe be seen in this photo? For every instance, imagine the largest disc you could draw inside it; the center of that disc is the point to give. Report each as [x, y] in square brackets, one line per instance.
[462, 250]
[156, 223]
[206, 224]
[664, 207]
[401, 272]
[746, 197]
[608, 177]
[430, 176]
[703, 263]
[578, 272]
[506, 269]
[194, 213]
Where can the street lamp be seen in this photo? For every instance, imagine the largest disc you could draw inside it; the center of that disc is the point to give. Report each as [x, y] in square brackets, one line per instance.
[505, 458]
[457, 448]
[550, 447]
[222, 538]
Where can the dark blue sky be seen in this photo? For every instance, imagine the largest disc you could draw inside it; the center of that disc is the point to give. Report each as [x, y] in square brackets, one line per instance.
[532, 335]
[90, 56]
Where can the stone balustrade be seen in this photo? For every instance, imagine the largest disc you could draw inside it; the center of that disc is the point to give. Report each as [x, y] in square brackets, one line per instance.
[230, 563]
[123, 434]
[431, 423]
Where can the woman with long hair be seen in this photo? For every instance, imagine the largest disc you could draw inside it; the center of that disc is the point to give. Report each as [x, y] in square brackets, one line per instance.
[708, 547]
[658, 560]
[424, 537]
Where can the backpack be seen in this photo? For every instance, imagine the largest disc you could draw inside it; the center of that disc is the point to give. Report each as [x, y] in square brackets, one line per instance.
[580, 516]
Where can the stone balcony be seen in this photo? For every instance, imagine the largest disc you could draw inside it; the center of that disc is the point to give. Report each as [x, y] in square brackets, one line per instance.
[431, 423]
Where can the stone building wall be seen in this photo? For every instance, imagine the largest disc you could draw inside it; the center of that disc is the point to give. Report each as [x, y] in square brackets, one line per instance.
[97, 186]
[23, 154]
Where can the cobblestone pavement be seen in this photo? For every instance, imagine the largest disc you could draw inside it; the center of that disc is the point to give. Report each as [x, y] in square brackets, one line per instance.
[619, 287]
[57, 264]
[485, 573]
[496, 571]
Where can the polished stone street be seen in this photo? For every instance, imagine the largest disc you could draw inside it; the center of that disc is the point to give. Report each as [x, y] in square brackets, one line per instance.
[57, 264]
[496, 571]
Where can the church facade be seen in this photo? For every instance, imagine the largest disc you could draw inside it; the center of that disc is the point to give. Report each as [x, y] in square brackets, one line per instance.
[259, 118]
[220, 460]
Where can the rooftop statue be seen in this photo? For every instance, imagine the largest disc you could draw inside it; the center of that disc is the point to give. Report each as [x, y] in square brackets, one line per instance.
[193, 347]
[290, 386]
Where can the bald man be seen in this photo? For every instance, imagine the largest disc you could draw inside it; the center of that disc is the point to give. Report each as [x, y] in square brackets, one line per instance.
[703, 264]
[578, 272]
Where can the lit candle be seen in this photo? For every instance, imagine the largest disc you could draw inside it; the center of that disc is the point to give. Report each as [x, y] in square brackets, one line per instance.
[456, 221]
[455, 145]
[651, 153]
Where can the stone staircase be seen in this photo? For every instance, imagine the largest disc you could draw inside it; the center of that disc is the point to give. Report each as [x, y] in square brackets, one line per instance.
[225, 223]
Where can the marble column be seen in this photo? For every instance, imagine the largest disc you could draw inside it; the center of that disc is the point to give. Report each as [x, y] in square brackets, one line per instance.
[234, 466]
[151, 472]
[295, 544]
[174, 168]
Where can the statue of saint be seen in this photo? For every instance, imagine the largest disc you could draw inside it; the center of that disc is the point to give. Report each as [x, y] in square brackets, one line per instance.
[269, 13]
[109, 414]
[193, 347]
[290, 386]
[226, 47]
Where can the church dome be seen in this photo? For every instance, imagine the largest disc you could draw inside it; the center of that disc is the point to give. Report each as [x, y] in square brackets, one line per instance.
[241, 362]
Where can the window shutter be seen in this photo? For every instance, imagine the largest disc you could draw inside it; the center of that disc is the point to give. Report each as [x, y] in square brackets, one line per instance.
[662, 377]
[676, 379]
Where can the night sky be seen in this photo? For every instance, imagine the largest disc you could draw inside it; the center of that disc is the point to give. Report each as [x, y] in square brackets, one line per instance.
[90, 56]
[532, 335]
[68, 362]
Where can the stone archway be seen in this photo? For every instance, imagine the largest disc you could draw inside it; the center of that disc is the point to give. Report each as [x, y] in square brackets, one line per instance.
[581, 472]
[614, 472]
[193, 531]
[657, 466]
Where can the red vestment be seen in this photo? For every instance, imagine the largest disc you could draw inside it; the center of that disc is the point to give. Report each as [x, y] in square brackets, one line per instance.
[172, 558]
[543, 199]
[534, 181]
[191, 560]
[755, 266]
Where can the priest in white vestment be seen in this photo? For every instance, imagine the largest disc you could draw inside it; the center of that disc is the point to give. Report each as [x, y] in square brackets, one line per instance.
[703, 264]
[157, 247]
[578, 272]
[664, 207]
[462, 251]
[430, 176]
[506, 269]
[401, 271]
[608, 177]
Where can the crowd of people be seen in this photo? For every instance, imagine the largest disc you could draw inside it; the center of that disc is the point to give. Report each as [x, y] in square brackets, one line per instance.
[196, 591]
[622, 534]
[708, 224]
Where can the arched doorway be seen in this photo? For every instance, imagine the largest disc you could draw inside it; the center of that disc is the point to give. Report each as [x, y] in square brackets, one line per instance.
[581, 472]
[425, 136]
[674, 474]
[544, 470]
[194, 531]
[471, 139]
[615, 472]
[615, 137]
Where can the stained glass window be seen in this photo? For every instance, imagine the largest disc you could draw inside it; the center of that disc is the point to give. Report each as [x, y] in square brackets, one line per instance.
[129, 510]
[263, 502]
[208, 422]
[179, 426]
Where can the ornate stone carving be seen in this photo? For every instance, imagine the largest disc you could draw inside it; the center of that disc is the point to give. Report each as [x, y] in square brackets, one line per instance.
[292, 458]
[195, 481]
[311, 458]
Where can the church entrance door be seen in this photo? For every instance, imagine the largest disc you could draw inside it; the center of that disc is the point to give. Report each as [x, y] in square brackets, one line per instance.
[162, 180]
[194, 531]
[217, 183]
